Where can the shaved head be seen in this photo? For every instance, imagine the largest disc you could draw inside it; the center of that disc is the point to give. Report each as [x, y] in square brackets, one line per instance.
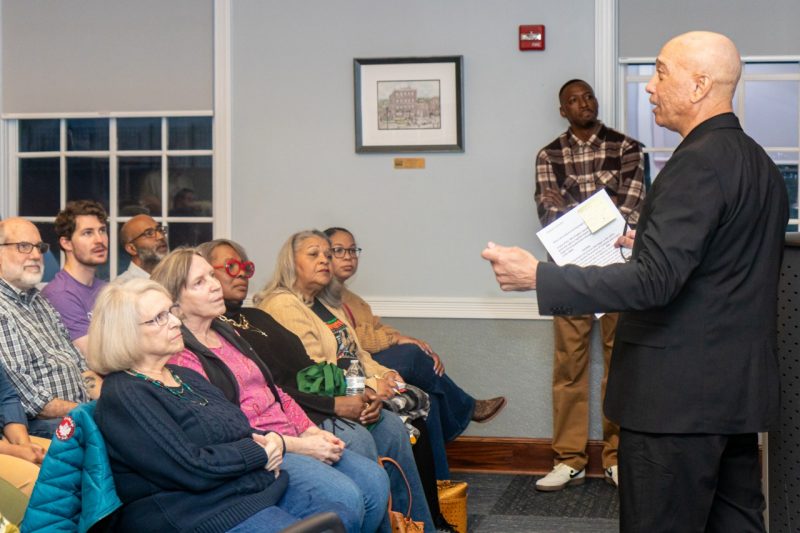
[711, 54]
[695, 79]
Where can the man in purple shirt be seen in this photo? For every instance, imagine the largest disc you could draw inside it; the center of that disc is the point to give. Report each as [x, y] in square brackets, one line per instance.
[82, 229]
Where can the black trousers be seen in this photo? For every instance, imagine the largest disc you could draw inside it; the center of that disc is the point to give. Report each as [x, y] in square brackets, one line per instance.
[689, 483]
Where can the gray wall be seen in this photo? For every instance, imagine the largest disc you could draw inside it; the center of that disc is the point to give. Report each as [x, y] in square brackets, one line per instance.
[294, 164]
[757, 28]
[511, 357]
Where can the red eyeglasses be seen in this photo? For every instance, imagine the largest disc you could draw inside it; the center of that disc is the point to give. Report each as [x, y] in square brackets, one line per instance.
[233, 268]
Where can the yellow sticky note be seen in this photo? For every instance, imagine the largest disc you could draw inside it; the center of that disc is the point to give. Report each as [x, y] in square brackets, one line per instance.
[597, 211]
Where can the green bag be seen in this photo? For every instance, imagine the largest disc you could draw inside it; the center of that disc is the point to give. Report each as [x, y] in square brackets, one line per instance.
[325, 379]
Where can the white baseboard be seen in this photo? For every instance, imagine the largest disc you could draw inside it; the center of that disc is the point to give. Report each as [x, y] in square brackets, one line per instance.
[481, 308]
[443, 307]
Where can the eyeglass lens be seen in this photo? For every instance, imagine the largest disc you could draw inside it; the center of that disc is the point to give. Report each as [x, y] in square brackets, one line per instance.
[340, 252]
[234, 267]
[27, 247]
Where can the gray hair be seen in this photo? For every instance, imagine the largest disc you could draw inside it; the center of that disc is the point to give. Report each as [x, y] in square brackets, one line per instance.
[284, 277]
[114, 336]
[207, 248]
[173, 271]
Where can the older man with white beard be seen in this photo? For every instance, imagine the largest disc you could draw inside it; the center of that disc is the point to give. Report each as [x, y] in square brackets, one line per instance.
[46, 369]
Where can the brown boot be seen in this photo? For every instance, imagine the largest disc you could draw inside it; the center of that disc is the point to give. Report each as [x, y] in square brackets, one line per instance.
[485, 410]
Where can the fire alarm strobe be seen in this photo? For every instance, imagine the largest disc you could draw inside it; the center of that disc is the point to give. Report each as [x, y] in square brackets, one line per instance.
[531, 37]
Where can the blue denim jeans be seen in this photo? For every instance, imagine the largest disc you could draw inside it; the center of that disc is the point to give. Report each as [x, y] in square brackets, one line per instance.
[43, 427]
[290, 509]
[354, 481]
[451, 407]
[388, 438]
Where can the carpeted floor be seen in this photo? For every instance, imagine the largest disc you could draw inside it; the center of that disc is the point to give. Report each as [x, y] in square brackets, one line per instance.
[510, 504]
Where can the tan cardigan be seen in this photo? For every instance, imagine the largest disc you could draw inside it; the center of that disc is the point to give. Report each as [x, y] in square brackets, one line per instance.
[373, 335]
[320, 343]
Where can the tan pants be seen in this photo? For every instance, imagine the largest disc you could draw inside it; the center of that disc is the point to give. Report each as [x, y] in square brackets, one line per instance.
[20, 473]
[572, 336]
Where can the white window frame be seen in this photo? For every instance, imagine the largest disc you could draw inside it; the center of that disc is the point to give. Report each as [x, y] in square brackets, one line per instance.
[11, 133]
[624, 79]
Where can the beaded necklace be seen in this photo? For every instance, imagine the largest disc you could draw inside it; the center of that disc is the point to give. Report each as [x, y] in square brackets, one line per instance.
[243, 324]
[179, 391]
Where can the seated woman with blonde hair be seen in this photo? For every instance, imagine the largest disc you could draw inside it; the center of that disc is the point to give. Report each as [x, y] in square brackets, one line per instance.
[316, 460]
[183, 457]
[299, 298]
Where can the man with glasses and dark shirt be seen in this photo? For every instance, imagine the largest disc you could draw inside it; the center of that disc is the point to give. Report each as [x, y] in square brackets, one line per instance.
[43, 365]
[146, 242]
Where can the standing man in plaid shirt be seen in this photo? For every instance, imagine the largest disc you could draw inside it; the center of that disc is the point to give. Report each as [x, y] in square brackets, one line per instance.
[581, 161]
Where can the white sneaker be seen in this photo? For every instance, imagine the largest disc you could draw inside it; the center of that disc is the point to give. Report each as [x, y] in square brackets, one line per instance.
[561, 476]
[612, 476]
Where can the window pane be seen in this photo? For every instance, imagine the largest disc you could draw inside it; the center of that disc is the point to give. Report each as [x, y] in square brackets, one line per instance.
[39, 187]
[39, 135]
[772, 68]
[87, 134]
[655, 162]
[188, 233]
[87, 179]
[641, 124]
[189, 133]
[640, 70]
[123, 259]
[139, 133]
[52, 259]
[190, 186]
[139, 186]
[790, 176]
[771, 111]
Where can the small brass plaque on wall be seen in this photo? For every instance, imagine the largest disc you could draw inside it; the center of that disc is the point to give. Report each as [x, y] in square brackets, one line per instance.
[409, 162]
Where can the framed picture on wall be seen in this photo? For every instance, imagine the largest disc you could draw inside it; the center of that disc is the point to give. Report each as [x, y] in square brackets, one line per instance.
[409, 104]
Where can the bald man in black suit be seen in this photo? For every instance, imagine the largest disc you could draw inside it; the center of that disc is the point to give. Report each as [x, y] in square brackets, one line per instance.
[694, 372]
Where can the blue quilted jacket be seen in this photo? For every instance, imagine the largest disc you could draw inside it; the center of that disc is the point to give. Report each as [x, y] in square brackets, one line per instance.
[75, 488]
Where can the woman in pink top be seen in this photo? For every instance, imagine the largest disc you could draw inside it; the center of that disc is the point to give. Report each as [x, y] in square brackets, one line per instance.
[315, 458]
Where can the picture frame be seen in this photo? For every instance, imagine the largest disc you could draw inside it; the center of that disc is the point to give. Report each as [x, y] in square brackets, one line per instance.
[409, 104]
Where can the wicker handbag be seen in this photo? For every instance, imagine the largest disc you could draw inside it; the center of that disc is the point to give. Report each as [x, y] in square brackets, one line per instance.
[401, 523]
[453, 503]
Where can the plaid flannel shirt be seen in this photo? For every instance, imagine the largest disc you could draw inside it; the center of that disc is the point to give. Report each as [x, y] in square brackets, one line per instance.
[578, 169]
[36, 352]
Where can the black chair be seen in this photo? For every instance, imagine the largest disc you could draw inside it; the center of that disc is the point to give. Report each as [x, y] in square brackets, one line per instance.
[319, 523]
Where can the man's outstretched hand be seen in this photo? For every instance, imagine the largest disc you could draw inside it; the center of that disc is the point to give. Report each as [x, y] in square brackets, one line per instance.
[514, 268]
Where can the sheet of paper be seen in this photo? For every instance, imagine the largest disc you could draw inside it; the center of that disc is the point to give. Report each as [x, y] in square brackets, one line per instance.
[570, 239]
[585, 235]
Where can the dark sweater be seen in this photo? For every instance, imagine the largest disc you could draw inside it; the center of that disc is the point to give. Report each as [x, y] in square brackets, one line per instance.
[180, 466]
[283, 352]
[219, 374]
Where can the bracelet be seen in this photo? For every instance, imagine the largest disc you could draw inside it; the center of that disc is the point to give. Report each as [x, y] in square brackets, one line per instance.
[284, 444]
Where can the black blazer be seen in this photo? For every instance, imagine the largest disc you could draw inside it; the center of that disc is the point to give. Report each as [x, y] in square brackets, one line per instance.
[695, 346]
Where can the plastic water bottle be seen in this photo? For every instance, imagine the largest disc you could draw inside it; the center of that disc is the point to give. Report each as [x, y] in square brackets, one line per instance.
[354, 379]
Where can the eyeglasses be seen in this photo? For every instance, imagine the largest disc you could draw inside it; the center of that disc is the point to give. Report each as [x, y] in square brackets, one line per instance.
[162, 318]
[339, 252]
[151, 232]
[27, 247]
[233, 268]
